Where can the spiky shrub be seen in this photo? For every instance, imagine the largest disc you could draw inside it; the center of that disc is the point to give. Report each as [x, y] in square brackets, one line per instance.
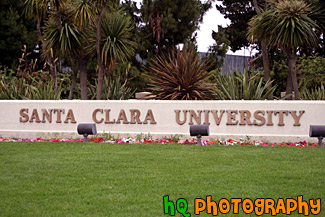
[240, 86]
[29, 88]
[181, 75]
[43, 91]
[317, 93]
[116, 89]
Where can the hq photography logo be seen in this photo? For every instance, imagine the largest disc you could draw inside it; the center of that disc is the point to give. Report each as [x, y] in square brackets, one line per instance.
[258, 206]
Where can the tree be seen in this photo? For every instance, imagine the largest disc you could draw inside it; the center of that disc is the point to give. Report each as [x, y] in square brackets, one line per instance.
[93, 12]
[265, 55]
[286, 24]
[217, 52]
[39, 10]
[116, 43]
[163, 24]
[68, 42]
[238, 12]
[99, 13]
[15, 32]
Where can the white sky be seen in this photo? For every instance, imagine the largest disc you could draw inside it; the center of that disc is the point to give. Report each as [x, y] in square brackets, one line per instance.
[211, 20]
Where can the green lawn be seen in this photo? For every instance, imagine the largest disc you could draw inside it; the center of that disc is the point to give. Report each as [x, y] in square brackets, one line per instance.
[90, 179]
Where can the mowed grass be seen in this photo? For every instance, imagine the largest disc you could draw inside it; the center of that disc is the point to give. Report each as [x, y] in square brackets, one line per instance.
[91, 179]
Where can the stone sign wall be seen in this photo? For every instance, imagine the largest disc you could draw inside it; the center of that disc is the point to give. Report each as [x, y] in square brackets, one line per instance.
[263, 120]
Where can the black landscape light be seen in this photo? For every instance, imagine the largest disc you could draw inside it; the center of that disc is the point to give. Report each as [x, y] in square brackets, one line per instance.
[317, 131]
[87, 129]
[199, 131]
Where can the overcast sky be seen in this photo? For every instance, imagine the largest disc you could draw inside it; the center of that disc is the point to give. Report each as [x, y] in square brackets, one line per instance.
[211, 20]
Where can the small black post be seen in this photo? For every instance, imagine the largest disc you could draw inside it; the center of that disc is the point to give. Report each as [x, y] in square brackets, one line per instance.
[320, 141]
[198, 143]
[85, 137]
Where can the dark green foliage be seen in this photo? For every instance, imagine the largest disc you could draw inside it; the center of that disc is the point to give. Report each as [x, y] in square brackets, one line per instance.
[240, 86]
[239, 12]
[124, 80]
[163, 24]
[66, 41]
[279, 75]
[134, 78]
[30, 87]
[316, 93]
[114, 89]
[311, 71]
[219, 49]
[180, 76]
[30, 84]
[286, 24]
[117, 42]
[15, 32]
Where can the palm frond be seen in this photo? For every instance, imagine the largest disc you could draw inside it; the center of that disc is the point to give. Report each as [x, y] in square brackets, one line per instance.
[66, 40]
[288, 23]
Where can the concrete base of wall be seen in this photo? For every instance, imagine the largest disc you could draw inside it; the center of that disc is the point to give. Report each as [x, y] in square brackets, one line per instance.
[212, 137]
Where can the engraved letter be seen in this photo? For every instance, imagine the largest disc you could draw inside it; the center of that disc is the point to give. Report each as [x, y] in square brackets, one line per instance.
[177, 117]
[135, 116]
[107, 121]
[215, 115]
[94, 116]
[23, 115]
[232, 117]
[34, 116]
[281, 116]
[70, 117]
[149, 117]
[296, 118]
[122, 116]
[245, 116]
[47, 115]
[197, 117]
[259, 117]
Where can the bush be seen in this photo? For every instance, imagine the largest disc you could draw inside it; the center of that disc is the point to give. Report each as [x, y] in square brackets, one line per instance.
[29, 88]
[239, 86]
[115, 90]
[311, 71]
[317, 93]
[180, 76]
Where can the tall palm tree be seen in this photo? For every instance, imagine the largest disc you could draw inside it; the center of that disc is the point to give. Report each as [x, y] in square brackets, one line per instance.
[39, 10]
[93, 13]
[116, 43]
[265, 55]
[286, 24]
[69, 42]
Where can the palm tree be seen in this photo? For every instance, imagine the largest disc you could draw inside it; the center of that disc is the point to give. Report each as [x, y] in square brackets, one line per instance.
[265, 55]
[85, 15]
[287, 25]
[39, 10]
[69, 42]
[93, 13]
[116, 43]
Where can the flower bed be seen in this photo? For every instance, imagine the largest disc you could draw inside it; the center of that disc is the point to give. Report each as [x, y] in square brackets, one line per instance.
[193, 141]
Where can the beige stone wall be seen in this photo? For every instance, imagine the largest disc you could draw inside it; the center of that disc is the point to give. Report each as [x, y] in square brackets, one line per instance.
[262, 120]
